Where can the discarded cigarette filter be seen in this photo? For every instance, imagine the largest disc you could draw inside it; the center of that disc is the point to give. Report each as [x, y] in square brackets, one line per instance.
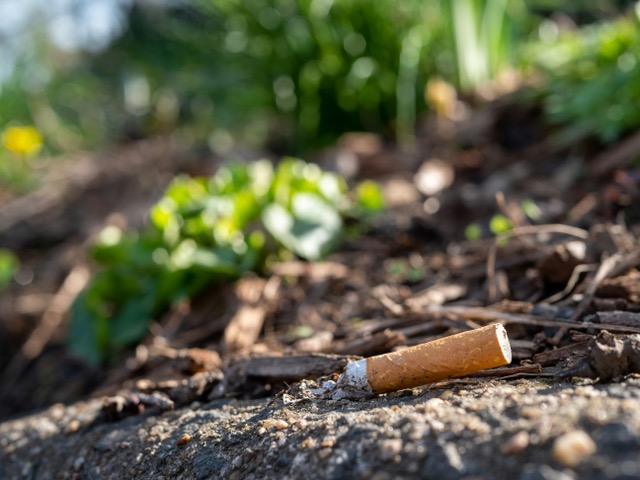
[448, 357]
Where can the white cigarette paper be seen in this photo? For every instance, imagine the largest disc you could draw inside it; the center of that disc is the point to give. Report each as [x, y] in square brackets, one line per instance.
[448, 357]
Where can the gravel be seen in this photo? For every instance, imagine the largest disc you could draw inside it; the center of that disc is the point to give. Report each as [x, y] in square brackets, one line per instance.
[521, 429]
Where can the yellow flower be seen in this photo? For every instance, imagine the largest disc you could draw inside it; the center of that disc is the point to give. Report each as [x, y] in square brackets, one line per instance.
[23, 140]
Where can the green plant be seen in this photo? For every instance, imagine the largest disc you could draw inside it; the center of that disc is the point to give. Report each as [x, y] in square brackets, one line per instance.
[299, 71]
[205, 230]
[499, 224]
[483, 35]
[473, 231]
[8, 266]
[592, 79]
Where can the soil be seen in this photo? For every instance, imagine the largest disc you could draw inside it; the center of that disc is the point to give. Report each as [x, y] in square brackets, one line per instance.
[522, 429]
[221, 385]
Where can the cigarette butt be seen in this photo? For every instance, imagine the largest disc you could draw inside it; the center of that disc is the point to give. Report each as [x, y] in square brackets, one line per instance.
[448, 357]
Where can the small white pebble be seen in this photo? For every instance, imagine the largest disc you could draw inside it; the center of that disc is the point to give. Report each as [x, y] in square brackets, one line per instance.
[73, 426]
[531, 412]
[433, 405]
[446, 395]
[416, 433]
[308, 443]
[281, 424]
[571, 448]
[78, 463]
[324, 453]
[516, 444]
[237, 462]
[390, 448]
[328, 441]
[56, 411]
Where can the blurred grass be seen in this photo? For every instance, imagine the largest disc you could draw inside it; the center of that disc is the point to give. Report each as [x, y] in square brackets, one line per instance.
[288, 74]
[292, 75]
[592, 77]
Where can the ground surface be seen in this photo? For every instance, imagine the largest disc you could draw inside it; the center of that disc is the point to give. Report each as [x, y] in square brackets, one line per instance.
[523, 429]
[564, 281]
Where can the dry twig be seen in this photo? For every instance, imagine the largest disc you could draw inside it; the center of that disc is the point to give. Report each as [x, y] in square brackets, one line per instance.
[51, 319]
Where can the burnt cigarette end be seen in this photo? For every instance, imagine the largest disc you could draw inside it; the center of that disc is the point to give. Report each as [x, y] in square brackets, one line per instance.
[453, 356]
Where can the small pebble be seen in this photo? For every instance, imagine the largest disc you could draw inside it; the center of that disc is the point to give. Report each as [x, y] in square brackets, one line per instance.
[390, 448]
[433, 405]
[183, 439]
[324, 453]
[308, 443]
[416, 433]
[78, 463]
[72, 427]
[516, 444]
[56, 411]
[571, 449]
[531, 412]
[446, 395]
[237, 462]
[328, 441]
[281, 424]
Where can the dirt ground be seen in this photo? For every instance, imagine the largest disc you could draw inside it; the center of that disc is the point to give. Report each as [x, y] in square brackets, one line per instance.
[563, 280]
[490, 429]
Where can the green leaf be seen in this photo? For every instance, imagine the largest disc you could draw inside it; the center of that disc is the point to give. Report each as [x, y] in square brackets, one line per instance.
[499, 224]
[473, 232]
[370, 197]
[310, 230]
[531, 209]
[84, 331]
[9, 264]
[132, 322]
[185, 190]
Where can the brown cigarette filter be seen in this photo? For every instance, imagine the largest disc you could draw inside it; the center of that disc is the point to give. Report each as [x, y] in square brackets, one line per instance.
[448, 357]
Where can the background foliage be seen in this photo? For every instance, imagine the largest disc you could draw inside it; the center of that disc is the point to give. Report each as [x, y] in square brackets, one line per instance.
[593, 78]
[292, 74]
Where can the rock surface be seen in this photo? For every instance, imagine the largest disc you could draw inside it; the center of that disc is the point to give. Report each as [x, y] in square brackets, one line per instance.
[520, 429]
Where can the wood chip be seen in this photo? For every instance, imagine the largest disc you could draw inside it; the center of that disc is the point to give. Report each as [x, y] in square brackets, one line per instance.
[381, 342]
[295, 367]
